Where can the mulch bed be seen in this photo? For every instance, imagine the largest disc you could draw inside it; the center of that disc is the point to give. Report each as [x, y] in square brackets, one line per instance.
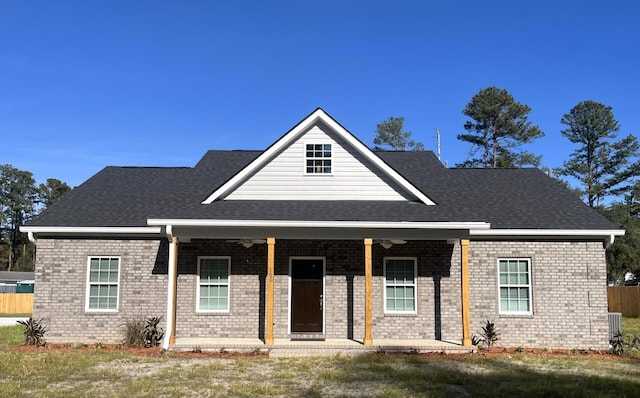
[485, 352]
[508, 352]
[137, 351]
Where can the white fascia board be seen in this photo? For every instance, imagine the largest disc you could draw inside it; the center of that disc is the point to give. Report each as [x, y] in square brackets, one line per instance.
[476, 226]
[547, 232]
[91, 230]
[608, 235]
[319, 114]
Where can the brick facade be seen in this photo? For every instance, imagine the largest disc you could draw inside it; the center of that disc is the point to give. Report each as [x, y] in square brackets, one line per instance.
[61, 283]
[568, 293]
[568, 284]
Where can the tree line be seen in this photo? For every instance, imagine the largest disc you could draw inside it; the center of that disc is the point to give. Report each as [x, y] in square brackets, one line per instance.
[603, 169]
[20, 200]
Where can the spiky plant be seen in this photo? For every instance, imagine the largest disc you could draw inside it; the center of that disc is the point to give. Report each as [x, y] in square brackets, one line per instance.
[153, 334]
[34, 332]
[489, 335]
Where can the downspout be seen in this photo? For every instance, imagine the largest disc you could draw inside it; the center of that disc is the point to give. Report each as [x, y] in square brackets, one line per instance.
[609, 241]
[32, 238]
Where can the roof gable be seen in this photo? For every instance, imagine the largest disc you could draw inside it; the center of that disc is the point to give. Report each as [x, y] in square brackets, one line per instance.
[258, 178]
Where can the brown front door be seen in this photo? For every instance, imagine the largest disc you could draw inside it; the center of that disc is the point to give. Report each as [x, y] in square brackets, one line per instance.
[306, 295]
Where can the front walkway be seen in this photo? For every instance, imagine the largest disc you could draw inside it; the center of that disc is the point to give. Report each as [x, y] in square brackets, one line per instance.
[286, 347]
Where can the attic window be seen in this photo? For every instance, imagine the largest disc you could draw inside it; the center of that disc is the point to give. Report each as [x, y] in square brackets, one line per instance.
[318, 158]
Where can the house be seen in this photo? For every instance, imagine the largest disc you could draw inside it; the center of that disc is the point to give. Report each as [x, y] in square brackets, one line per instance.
[319, 237]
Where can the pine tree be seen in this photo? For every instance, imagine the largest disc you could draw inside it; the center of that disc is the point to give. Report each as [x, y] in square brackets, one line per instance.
[602, 166]
[391, 133]
[499, 125]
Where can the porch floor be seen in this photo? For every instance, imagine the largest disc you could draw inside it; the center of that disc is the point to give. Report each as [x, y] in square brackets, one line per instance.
[286, 347]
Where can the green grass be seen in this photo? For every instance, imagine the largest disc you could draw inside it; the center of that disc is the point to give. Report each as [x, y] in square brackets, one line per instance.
[631, 326]
[119, 373]
[11, 335]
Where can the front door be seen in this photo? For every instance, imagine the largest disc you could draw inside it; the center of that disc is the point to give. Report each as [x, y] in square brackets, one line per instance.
[306, 295]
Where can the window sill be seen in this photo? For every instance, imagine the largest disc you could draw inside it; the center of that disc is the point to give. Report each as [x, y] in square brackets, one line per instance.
[401, 314]
[520, 316]
[101, 312]
[213, 313]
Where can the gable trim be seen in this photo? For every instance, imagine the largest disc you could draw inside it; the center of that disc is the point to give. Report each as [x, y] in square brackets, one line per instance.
[293, 134]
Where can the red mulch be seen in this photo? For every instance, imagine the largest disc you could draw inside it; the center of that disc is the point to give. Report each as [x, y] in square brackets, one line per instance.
[510, 352]
[137, 351]
[486, 352]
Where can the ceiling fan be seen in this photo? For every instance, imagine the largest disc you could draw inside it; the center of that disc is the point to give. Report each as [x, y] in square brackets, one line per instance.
[387, 243]
[248, 242]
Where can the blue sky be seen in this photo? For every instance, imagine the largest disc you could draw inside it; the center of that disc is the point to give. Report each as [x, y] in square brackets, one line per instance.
[86, 84]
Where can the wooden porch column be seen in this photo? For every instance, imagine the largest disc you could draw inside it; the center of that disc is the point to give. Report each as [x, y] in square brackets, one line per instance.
[368, 287]
[271, 243]
[466, 323]
[172, 287]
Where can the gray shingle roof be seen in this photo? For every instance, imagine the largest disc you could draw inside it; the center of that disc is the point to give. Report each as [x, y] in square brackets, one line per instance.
[506, 198]
[15, 276]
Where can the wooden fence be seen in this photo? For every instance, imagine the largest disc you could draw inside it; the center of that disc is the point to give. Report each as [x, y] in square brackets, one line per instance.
[625, 299]
[16, 303]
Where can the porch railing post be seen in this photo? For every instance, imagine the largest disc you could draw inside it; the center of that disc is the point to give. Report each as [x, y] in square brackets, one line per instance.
[368, 287]
[271, 243]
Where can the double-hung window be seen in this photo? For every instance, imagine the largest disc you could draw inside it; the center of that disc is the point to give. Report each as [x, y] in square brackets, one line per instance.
[103, 279]
[318, 158]
[400, 285]
[213, 284]
[515, 286]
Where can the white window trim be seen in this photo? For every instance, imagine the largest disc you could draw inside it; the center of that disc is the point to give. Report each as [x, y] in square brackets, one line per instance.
[415, 285]
[305, 158]
[225, 311]
[529, 286]
[89, 284]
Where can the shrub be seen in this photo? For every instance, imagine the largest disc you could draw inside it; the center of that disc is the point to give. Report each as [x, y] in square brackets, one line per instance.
[142, 332]
[489, 335]
[34, 332]
[619, 343]
[153, 334]
[133, 332]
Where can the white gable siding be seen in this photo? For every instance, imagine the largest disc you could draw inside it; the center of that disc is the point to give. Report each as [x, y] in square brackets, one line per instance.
[284, 178]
